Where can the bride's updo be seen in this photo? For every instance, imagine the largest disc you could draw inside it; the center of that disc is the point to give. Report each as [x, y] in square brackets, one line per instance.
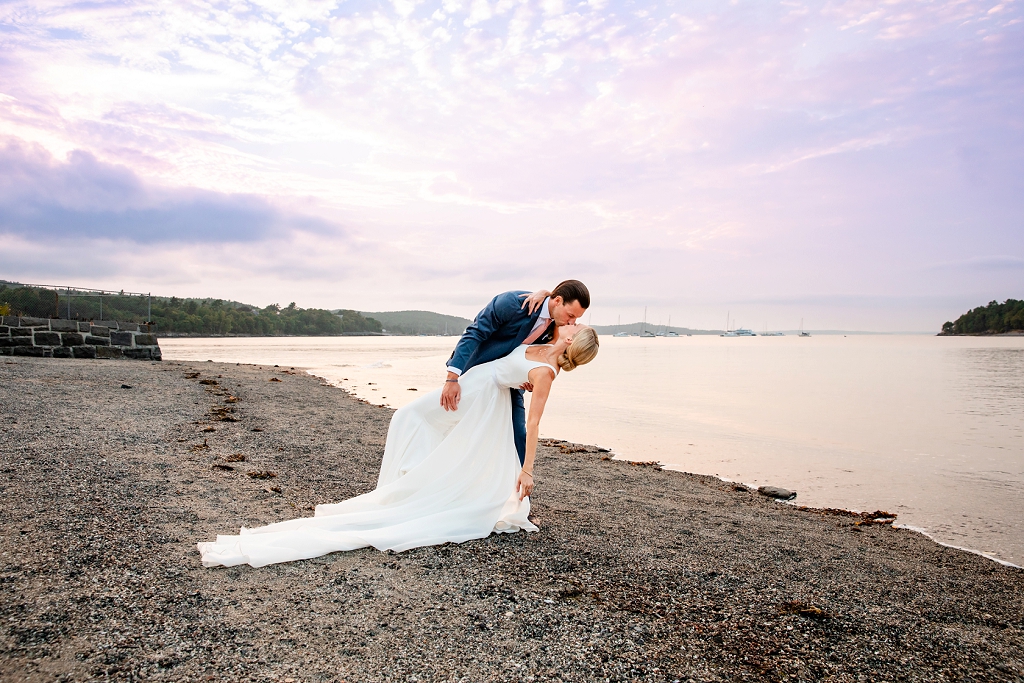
[581, 350]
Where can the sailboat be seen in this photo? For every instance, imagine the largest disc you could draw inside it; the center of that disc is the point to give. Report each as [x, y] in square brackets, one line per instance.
[620, 333]
[645, 332]
[802, 333]
[728, 333]
[738, 332]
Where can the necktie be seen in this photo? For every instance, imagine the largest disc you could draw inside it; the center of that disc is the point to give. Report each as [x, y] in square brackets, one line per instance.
[537, 332]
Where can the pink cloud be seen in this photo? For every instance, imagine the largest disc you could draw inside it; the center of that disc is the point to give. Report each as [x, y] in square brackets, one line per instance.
[828, 149]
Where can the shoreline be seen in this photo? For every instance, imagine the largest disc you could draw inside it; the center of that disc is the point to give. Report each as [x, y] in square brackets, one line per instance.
[636, 574]
[669, 467]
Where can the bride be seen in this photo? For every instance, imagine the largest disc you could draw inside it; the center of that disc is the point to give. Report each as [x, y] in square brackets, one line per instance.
[445, 477]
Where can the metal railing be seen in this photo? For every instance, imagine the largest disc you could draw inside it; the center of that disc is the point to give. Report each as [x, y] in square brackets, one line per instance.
[75, 303]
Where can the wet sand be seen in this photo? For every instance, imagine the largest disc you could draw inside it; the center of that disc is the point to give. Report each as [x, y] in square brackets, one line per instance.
[636, 574]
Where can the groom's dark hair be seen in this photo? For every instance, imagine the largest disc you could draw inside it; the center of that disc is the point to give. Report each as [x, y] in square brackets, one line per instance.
[573, 290]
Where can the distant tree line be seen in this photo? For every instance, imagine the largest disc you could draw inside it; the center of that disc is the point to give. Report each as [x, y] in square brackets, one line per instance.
[28, 301]
[219, 317]
[996, 318]
[187, 316]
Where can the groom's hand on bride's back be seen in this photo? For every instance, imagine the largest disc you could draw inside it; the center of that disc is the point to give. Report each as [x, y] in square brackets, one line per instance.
[533, 301]
[451, 394]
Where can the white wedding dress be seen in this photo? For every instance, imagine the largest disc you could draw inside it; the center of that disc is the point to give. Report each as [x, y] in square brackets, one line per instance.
[446, 476]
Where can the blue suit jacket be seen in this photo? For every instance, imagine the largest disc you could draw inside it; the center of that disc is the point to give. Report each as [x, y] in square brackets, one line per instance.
[497, 331]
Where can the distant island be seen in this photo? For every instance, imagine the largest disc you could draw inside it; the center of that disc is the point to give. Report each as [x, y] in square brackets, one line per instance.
[419, 322]
[996, 318]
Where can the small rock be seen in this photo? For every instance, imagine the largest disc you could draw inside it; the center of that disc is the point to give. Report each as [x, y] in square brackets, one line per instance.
[776, 492]
[126, 386]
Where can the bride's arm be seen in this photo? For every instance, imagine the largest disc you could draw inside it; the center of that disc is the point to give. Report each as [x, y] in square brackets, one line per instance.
[541, 378]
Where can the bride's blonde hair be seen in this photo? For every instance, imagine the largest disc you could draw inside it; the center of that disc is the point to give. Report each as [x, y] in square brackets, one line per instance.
[581, 350]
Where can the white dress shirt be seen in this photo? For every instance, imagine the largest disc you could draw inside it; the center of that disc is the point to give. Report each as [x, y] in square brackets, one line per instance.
[543, 320]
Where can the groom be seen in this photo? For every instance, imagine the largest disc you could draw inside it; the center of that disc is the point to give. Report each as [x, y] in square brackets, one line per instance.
[505, 323]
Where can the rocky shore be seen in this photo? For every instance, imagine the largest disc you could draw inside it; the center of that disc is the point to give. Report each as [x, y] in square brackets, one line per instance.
[113, 470]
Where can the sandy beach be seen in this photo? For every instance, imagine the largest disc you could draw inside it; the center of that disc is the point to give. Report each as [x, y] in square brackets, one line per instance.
[113, 470]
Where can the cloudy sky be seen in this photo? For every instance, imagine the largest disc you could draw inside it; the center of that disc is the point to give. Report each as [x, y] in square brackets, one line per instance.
[857, 164]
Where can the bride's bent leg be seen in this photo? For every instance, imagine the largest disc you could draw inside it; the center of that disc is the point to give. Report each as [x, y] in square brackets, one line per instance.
[415, 430]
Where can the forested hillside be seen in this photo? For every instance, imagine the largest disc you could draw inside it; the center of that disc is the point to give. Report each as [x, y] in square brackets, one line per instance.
[218, 317]
[184, 316]
[419, 322]
[996, 318]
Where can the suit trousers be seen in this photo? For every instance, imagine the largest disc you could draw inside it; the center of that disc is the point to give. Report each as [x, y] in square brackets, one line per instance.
[519, 423]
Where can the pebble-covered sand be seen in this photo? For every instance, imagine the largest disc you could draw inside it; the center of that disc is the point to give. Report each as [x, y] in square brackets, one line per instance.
[111, 471]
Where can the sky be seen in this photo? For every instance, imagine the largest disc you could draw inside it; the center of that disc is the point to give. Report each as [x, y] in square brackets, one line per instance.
[858, 165]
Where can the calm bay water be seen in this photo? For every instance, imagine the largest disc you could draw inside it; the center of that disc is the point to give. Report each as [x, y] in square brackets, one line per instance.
[929, 428]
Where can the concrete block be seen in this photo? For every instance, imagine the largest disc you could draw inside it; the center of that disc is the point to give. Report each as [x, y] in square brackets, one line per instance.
[156, 353]
[84, 326]
[46, 339]
[35, 322]
[128, 327]
[100, 330]
[97, 341]
[21, 331]
[108, 352]
[5, 331]
[121, 338]
[71, 339]
[62, 352]
[84, 351]
[9, 320]
[140, 354]
[6, 351]
[37, 351]
[145, 340]
[112, 324]
[64, 325]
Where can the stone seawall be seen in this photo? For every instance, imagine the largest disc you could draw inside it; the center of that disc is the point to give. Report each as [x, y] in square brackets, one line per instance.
[52, 338]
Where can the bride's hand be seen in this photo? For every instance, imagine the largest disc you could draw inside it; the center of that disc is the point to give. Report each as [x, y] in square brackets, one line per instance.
[533, 301]
[524, 484]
